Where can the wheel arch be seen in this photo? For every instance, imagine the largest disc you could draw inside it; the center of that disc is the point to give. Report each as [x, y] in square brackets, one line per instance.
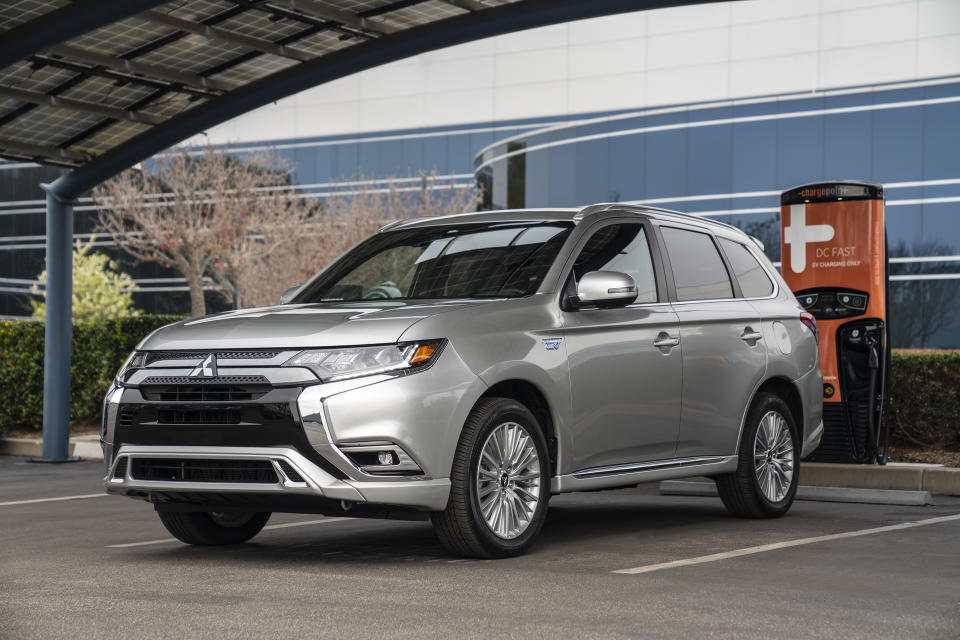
[531, 396]
[783, 388]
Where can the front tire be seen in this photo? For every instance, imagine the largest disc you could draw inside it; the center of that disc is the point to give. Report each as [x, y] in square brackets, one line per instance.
[765, 482]
[214, 528]
[499, 483]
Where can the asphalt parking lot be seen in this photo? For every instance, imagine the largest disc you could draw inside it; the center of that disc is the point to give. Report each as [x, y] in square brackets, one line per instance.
[104, 567]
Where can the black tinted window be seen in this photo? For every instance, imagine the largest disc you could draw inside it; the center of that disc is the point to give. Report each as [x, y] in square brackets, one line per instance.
[623, 248]
[754, 282]
[698, 269]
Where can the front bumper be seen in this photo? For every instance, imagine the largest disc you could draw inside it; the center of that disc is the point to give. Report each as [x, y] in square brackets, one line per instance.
[310, 429]
[294, 473]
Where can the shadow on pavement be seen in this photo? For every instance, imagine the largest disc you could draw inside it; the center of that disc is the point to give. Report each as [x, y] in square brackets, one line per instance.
[364, 541]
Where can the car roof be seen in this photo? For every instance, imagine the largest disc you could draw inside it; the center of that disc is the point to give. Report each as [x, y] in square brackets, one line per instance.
[575, 216]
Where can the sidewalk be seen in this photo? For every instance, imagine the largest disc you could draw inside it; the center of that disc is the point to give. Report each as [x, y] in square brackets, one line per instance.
[86, 447]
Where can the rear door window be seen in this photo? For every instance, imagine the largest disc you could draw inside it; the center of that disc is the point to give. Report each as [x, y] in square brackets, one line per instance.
[698, 269]
[754, 282]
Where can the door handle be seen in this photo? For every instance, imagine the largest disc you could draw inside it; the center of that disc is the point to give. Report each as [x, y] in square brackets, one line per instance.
[750, 336]
[664, 341]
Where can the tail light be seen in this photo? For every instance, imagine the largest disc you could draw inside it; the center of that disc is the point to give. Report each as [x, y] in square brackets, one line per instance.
[811, 323]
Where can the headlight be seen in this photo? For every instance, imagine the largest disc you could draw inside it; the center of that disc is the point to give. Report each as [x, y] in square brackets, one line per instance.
[352, 362]
[134, 362]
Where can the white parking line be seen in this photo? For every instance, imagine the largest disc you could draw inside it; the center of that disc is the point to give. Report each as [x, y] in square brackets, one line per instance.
[784, 545]
[272, 526]
[83, 497]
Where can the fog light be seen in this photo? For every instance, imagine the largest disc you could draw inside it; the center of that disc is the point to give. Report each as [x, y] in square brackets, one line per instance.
[380, 458]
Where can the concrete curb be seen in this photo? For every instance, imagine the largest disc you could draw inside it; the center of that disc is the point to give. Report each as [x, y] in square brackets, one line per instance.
[818, 494]
[896, 476]
[86, 447]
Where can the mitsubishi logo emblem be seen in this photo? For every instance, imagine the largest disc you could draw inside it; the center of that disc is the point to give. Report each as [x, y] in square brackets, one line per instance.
[799, 233]
[206, 369]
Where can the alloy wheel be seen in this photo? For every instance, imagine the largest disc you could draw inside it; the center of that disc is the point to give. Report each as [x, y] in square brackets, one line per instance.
[773, 456]
[508, 480]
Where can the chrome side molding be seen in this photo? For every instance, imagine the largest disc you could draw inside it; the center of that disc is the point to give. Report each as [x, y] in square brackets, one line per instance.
[644, 466]
[625, 475]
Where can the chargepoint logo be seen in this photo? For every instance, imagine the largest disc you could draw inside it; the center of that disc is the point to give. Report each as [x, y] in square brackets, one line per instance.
[206, 369]
[799, 234]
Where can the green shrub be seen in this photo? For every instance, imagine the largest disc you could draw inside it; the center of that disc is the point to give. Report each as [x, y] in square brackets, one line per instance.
[100, 292]
[925, 399]
[99, 349]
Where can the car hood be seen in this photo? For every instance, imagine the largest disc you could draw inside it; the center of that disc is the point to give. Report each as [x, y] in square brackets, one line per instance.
[299, 325]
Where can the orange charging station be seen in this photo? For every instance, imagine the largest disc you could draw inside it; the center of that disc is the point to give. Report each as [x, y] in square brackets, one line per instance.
[834, 258]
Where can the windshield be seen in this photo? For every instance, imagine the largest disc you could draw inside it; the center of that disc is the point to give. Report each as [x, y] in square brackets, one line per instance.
[465, 261]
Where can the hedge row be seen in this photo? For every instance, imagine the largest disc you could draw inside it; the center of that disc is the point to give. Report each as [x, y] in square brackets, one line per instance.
[99, 349]
[924, 398]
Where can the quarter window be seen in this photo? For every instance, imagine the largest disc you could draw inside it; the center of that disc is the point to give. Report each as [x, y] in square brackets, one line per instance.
[698, 269]
[623, 248]
[754, 282]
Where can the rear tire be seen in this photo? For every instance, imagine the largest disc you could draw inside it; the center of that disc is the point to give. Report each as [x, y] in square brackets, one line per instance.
[765, 482]
[499, 483]
[214, 528]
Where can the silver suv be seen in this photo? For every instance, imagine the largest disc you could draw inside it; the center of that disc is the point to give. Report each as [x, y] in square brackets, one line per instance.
[466, 368]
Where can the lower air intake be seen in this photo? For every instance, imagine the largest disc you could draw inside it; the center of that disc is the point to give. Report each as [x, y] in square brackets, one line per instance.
[290, 472]
[199, 470]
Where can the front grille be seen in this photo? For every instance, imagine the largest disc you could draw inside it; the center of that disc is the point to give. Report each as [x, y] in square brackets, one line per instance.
[198, 416]
[201, 470]
[214, 381]
[223, 389]
[157, 356]
[121, 470]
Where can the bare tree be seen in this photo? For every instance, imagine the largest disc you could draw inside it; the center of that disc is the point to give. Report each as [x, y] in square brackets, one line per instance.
[348, 214]
[243, 225]
[197, 213]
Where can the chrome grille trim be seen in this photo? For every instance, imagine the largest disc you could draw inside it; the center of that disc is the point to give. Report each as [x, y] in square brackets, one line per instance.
[157, 356]
[218, 380]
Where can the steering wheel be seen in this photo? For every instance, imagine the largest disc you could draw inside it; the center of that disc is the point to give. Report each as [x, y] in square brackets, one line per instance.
[383, 291]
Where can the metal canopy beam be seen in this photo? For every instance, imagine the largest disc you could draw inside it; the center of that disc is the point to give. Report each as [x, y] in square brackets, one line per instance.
[132, 66]
[322, 10]
[37, 151]
[408, 42]
[118, 76]
[66, 23]
[35, 97]
[469, 5]
[225, 35]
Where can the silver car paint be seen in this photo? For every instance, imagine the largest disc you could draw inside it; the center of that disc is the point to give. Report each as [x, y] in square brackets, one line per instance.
[617, 420]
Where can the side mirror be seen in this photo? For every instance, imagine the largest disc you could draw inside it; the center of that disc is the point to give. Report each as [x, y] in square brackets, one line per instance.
[287, 295]
[605, 289]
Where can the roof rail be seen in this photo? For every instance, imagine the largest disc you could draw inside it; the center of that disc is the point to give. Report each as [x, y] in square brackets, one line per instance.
[392, 224]
[638, 208]
[597, 208]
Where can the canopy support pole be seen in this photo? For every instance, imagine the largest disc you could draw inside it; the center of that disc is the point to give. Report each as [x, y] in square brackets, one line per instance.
[58, 331]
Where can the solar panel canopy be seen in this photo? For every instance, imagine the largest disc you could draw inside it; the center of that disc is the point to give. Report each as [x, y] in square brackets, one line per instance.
[84, 95]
